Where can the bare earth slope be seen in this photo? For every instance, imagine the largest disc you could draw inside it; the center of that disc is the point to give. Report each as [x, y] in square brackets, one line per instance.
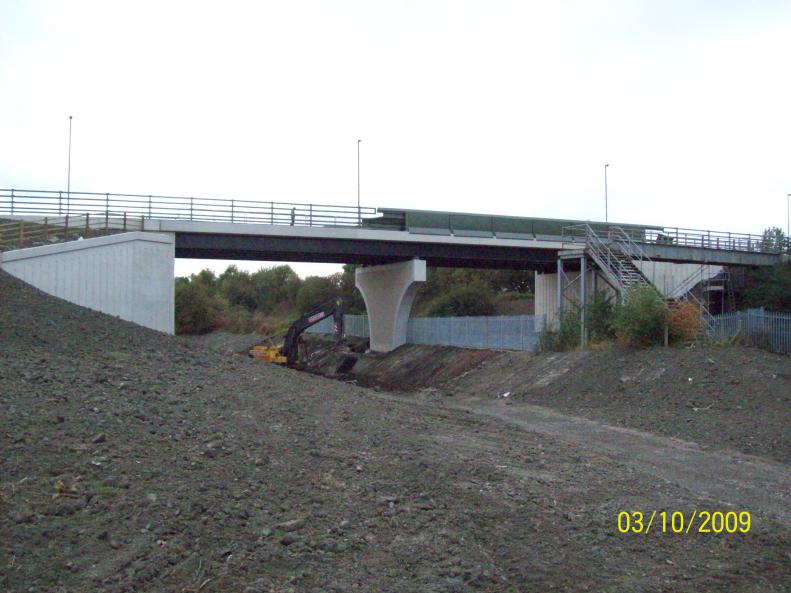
[133, 461]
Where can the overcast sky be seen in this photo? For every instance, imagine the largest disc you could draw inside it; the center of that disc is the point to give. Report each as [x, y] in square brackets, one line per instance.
[489, 106]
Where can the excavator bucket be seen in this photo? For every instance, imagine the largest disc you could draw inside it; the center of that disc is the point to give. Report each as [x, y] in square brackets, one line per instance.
[268, 354]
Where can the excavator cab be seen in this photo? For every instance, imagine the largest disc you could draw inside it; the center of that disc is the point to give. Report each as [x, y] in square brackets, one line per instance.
[293, 352]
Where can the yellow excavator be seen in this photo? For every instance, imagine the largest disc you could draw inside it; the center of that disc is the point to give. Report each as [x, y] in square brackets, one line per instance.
[293, 352]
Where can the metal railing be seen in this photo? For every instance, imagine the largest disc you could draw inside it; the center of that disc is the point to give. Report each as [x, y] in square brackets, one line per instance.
[15, 234]
[619, 268]
[771, 331]
[41, 203]
[724, 241]
[720, 240]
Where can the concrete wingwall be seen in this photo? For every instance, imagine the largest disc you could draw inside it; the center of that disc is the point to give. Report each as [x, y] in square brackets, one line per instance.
[129, 275]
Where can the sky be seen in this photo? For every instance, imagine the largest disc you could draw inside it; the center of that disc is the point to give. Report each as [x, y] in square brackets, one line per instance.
[493, 107]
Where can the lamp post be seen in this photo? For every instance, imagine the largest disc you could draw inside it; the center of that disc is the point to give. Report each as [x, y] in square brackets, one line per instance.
[606, 219]
[68, 175]
[359, 211]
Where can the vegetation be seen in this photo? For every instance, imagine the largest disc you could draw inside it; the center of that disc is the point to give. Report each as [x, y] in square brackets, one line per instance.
[685, 322]
[642, 317]
[268, 300]
[770, 288]
[639, 321]
[601, 318]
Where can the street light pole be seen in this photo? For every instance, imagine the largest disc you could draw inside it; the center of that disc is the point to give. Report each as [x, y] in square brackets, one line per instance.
[606, 219]
[359, 211]
[68, 177]
[788, 222]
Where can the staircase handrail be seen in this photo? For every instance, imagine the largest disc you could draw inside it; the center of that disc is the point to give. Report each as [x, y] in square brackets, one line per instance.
[601, 253]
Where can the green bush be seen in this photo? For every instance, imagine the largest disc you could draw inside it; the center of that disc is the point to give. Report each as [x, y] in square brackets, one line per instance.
[563, 338]
[601, 316]
[641, 319]
[197, 309]
[474, 299]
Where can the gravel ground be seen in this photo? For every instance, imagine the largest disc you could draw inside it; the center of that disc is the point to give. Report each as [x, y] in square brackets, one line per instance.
[735, 398]
[135, 461]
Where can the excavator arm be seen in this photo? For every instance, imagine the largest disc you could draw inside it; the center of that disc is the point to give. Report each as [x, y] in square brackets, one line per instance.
[288, 353]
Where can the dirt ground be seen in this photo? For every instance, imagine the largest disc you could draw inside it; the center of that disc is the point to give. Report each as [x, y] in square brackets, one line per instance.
[135, 461]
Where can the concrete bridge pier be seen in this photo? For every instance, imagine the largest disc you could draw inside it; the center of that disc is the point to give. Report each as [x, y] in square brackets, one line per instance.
[388, 291]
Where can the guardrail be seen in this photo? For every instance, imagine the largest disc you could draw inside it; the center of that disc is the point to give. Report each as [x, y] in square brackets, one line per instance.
[17, 202]
[720, 240]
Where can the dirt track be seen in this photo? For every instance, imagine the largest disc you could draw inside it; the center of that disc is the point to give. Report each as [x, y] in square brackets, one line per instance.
[133, 461]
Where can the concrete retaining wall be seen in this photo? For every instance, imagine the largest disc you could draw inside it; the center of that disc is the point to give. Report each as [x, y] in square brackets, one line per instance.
[129, 275]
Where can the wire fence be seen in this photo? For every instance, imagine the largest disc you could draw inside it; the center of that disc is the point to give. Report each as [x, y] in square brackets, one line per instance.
[756, 327]
[512, 332]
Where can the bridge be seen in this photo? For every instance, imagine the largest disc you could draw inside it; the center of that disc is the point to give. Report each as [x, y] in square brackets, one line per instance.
[394, 246]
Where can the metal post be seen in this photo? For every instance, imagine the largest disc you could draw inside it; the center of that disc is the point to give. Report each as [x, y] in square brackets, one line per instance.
[60, 198]
[606, 218]
[149, 206]
[231, 210]
[310, 216]
[583, 304]
[12, 201]
[359, 211]
[68, 178]
[87, 223]
[107, 206]
[788, 216]
[190, 208]
[560, 289]
[66, 227]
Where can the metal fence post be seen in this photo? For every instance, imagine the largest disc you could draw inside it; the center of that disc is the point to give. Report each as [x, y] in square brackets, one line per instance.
[149, 206]
[231, 210]
[12, 201]
[190, 208]
[60, 198]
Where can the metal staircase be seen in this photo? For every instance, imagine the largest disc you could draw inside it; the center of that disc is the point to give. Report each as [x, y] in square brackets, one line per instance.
[616, 255]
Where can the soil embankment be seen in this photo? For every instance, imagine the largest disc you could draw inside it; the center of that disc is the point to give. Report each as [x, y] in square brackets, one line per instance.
[136, 461]
[718, 397]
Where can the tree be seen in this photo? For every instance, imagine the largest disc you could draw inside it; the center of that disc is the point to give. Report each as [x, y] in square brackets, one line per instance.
[774, 239]
[474, 299]
[316, 291]
[273, 287]
[197, 309]
[353, 302]
[770, 288]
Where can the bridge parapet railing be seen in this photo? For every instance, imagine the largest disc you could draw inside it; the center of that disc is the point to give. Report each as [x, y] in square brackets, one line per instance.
[15, 202]
[677, 236]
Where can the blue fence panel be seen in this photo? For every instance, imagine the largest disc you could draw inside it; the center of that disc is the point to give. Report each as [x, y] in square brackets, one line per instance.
[756, 327]
[513, 332]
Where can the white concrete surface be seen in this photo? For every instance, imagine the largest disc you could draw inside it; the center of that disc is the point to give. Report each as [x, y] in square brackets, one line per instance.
[675, 280]
[389, 291]
[129, 275]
